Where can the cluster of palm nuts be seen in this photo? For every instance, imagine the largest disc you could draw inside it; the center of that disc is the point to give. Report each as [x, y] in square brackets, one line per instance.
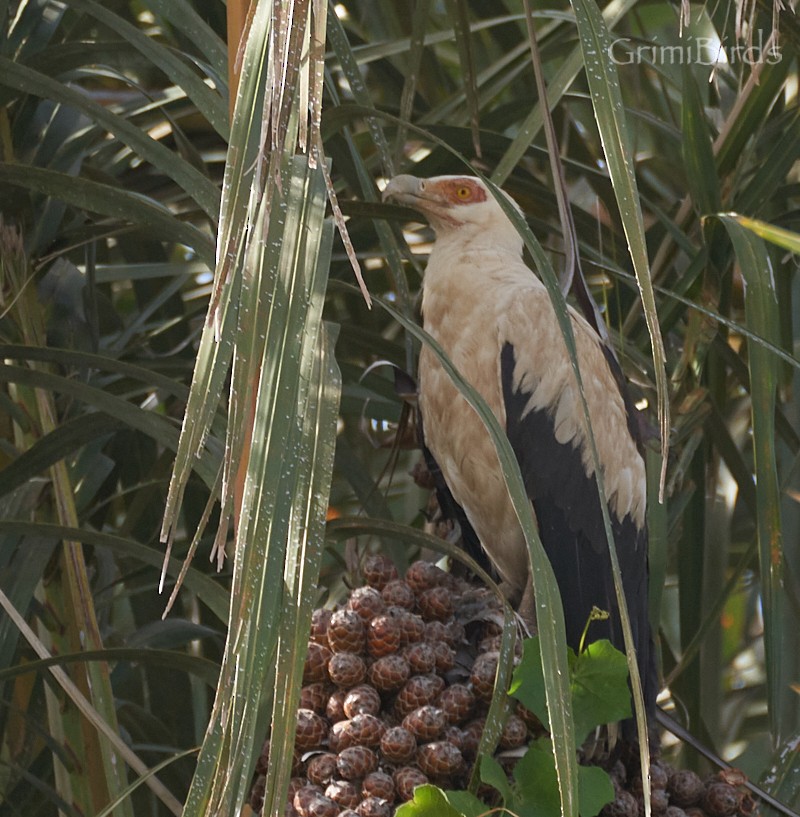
[679, 793]
[397, 683]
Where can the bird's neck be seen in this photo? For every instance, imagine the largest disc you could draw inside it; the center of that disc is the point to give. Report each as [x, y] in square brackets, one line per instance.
[496, 238]
[463, 260]
[461, 273]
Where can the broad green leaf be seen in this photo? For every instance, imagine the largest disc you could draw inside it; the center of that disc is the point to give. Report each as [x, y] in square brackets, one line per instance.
[493, 774]
[536, 789]
[118, 749]
[183, 15]
[54, 446]
[152, 424]
[598, 682]
[279, 538]
[179, 70]
[428, 801]
[599, 687]
[110, 201]
[465, 803]
[458, 12]
[204, 669]
[142, 780]
[761, 307]
[556, 88]
[595, 789]
[698, 152]
[40, 534]
[528, 682]
[787, 239]
[196, 185]
[74, 358]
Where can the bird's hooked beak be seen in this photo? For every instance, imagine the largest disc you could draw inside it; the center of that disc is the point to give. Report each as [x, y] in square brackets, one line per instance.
[404, 189]
[421, 195]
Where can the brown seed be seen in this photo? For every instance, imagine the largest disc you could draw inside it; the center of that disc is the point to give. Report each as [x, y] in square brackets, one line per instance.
[316, 666]
[419, 690]
[406, 779]
[685, 788]
[659, 799]
[311, 802]
[378, 571]
[483, 674]
[672, 811]
[389, 673]
[472, 736]
[435, 604]
[378, 784]
[383, 636]
[319, 626]
[312, 729]
[445, 656]
[334, 710]
[421, 657]
[439, 759]
[514, 733]
[458, 635]
[535, 725]
[438, 631]
[356, 762]
[733, 777]
[398, 745]
[346, 632]
[425, 723]
[695, 811]
[623, 805]
[339, 737]
[412, 627]
[263, 759]
[618, 772]
[747, 805]
[315, 696]
[297, 762]
[367, 602]
[348, 812]
[365, 730]
[455, 735]
[295, 784]
[658, 775]
[720, 800]
[321, 769]
[362, 700]
[398, 593]
[659, 802]
[422, 575]
[346, 669]
[257, 791]
[344, 793]
[491, 643]
[374, 807]
[457, 702]
[491, 628]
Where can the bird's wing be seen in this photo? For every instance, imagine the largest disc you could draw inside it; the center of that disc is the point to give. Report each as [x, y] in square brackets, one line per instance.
[546, 429]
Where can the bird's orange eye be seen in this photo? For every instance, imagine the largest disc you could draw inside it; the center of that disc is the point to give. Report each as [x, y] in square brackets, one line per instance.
[463, 192]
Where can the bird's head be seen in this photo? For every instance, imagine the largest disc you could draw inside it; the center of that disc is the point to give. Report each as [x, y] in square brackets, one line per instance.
[455, 204]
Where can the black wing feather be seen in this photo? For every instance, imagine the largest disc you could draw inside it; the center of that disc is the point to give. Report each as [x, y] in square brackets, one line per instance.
[567, 507]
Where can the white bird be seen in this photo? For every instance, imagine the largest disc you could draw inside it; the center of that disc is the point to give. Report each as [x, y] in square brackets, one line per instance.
[494, 319]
